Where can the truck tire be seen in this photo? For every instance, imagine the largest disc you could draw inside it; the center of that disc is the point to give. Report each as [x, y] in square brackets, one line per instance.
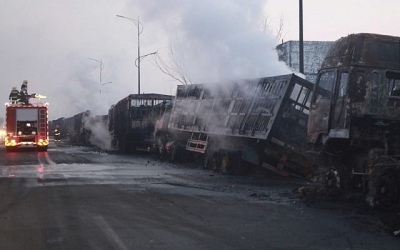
[207, 163]
[225, 166]
[42, 149]
[10, 149]
[384, 186]
[338, 180]
[216, 162]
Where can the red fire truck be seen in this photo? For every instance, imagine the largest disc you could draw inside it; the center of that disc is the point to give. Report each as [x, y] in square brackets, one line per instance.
[27, 126]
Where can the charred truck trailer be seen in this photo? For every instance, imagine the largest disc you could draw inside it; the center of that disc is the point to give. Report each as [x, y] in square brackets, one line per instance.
[26, 125]
[78, 128]
[74, 126]
[132, 120]
[259, 121]
[356, 127]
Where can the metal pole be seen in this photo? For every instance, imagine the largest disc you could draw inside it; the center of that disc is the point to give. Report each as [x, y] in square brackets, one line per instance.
[140, 30]
[301, 48]
[101, 68]
[138, 52]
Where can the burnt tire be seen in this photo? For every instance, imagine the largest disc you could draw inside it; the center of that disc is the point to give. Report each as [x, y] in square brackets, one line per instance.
[215, 164]
[174, 154]
[337, 180]
[384, 187]
[207, 162]
[225, 165]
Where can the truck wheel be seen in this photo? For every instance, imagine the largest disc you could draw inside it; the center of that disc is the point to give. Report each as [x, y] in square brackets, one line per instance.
[337, 180]
[225, 163]
[384, 187]
[9, 149]
[332, 179]
[174, 153]
[42, 149]
[215, 162]
[207, 162]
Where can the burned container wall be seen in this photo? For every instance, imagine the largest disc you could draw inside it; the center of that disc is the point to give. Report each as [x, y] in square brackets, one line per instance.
[246, 108]
[135, 116]
[290, 126]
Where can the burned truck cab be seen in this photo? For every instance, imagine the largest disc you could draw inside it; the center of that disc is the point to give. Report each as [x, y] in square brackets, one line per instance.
[361, 76]
[357, 119]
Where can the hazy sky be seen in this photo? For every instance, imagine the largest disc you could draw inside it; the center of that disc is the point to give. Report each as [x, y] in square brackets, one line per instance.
[48, 43]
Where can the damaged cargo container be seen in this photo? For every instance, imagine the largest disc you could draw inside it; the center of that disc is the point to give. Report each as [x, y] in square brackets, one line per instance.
[242, 123]
[132, 120]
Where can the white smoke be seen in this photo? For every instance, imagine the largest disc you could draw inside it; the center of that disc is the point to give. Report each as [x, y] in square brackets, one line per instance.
[217, 40]
[48, 43]
[98, 131]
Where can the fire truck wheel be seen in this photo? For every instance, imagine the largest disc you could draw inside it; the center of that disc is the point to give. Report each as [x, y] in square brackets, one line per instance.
[9, 149]
[42, 149]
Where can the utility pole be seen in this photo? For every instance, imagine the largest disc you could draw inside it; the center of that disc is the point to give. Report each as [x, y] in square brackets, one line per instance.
[301, 47]
[139, 26]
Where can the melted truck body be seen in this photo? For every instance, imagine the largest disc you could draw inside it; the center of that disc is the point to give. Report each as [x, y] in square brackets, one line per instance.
[261, 121]
[356, 123]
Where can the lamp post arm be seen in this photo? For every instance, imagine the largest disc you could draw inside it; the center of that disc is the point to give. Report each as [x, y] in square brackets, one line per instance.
[101, 65]
[137, 23]
[139, 59]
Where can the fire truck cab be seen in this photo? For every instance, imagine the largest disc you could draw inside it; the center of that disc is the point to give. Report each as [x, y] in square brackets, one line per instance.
[26, 126]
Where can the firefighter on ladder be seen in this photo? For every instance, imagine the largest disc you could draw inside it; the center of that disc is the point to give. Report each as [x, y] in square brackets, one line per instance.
[57, 134]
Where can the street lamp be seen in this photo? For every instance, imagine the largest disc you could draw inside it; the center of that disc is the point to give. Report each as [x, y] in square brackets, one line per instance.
[139, 26]
[101, 69]
[101, 65]
[104, 83]
[137, 61]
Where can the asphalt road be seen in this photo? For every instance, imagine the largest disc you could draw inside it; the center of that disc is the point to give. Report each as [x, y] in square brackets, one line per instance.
[78, 198]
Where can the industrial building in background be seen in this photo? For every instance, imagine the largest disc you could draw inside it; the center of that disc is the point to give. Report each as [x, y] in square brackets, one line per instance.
[314, 54]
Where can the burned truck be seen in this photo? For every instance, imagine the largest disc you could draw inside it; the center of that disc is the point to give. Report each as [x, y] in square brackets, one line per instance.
[75, 128]
[242, 123]
[355, 127]
[132, 120]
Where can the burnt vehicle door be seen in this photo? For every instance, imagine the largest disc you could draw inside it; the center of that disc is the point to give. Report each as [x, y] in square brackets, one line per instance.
[321, 105]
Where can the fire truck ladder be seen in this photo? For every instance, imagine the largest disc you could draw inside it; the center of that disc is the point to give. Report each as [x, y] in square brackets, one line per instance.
[42, 122]
[197, 142]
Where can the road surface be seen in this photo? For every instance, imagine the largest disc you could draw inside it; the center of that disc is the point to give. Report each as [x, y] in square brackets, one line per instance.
[78, 198]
